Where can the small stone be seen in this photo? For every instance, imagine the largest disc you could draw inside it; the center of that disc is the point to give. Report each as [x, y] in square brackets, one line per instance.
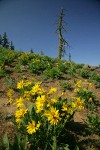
[23, 68]
[8, 116]
[93, 68]
[86, 66]
[97, 85]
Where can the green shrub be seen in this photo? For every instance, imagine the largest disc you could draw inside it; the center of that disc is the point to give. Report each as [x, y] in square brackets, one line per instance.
[84, 92]
[62, 67]
[2, 71]
[95, 77]
[85, 73]
[37, 66]
[66, 85]
[18, 67]
[93, 122]
[24, 59]
[53, 73]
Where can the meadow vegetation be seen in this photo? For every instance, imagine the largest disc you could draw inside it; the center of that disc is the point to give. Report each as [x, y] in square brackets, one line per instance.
[55, 103]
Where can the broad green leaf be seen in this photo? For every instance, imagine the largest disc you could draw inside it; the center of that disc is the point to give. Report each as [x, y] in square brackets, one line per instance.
[23, 143]
[16, 145]
[5, 142]
[66, 147]
[76, 148]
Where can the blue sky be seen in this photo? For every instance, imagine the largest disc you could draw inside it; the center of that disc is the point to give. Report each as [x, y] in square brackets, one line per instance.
[31, 24]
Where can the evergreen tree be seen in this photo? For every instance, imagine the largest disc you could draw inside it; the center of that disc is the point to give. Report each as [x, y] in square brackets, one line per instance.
[11, 45]
[42, 53]
[5, 42]
[31, 51]
[0, 40]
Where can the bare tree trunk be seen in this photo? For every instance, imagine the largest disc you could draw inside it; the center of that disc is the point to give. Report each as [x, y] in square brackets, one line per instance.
[62, 41]
[60, 36]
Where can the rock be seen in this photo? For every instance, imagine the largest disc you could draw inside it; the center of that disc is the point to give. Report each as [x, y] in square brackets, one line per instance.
[23, 68]
[8, 116]
[97, 85]
[86, 66]
[93, 68]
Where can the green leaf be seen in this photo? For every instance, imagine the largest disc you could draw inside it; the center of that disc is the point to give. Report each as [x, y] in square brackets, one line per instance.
[66, 147]
[30, 109]
[76, 148]
[23, 143]
[54, 146]
[5, 142]
[16, 145]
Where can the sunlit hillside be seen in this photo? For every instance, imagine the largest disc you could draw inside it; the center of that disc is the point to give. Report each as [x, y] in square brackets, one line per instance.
[47, 103]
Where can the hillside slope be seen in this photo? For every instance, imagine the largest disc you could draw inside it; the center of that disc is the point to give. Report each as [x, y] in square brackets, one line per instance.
[52, 72]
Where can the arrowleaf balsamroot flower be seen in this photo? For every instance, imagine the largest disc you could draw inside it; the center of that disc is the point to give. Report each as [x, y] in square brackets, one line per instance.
[52, 90]
[10, 100]
[27, 83]
[32, 127]
[20, 84]
[79, 103]
[73, 105]
[27, 95]
[10, 95]
[78, 84]
[76, 90]
[64, 107]
[19, 102]
[36, 89]
[19, 114]
[52, 115]
[40, 103]
[10, 92]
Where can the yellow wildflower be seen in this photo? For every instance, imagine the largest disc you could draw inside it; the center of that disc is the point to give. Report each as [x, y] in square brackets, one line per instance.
[38, 125]
[10, 92]
[84, 89]
[53, 100]
[70, 111]
[61, 94]
[19, 102]
[79, 103]
[18, 120]
[24, 77]
[27, 83]
[39, 106]
[27, 95]
[36, 89]
[32, 127]
[20, 84]
[52, 115]
[41, 98]
[40, 103]
[79, 83]
[64, 107]
[90, 85]
[10, 100]
[19, 114]
[73, 105]
[76, 90]
[52, 90]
